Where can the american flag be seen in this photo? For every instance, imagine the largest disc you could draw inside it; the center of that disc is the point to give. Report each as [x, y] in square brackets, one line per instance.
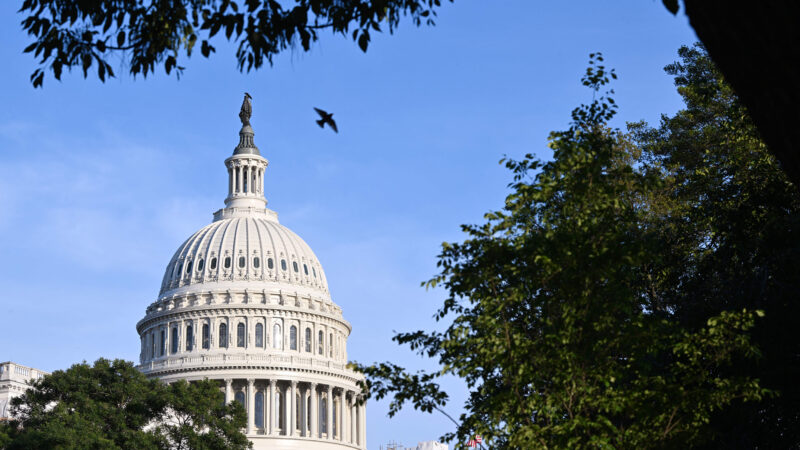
[478, 438]
[472, 443]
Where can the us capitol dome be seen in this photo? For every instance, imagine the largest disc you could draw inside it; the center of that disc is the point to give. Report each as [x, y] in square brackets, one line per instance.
[245, 301]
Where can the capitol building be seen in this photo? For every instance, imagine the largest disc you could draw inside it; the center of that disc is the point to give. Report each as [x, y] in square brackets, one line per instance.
[245, 301]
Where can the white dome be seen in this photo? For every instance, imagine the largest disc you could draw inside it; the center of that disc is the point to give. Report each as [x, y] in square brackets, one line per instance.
[252, 250]
[245, 301]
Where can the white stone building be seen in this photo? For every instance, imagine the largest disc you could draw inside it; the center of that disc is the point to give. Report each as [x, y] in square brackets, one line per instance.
[14, 379]
[245, 301]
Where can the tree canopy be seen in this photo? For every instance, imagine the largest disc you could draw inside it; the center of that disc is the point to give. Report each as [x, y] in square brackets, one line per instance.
[592, 310]
[732, 224]
[111, 405]
[146, 34]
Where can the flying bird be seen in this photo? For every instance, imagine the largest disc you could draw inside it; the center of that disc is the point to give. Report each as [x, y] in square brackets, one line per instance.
[326, 117]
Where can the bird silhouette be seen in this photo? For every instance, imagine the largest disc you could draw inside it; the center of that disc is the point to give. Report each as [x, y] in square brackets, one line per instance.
[326, 117]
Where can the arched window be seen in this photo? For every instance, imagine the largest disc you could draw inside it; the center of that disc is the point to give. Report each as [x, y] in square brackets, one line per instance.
[305, 269]
[323, 415]
[189, 338]
[240, 335]
[174, 339]
[227, 262]
[163, 343]
[320, 346]
[259, 407]
[293, 338]
[223, 335]
[239, 397]
[283, 264]
[152, 344]
[314, 271]
[256, 262]
[189, 267]
[270, 265]
[277, 337]
[242, 261]
[213, 264]
[294, 266]
[259, 335]
[330, 345]
[308, 340]
[200, 265]
[206, 336]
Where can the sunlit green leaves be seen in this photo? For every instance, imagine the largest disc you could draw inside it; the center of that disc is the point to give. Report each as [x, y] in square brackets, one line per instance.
[555, 314]
[112, 405]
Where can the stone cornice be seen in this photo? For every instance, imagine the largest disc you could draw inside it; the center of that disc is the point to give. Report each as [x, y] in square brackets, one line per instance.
[203, 311]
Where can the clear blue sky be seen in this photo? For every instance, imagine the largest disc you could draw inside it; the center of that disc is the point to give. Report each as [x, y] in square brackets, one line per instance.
[100, 183]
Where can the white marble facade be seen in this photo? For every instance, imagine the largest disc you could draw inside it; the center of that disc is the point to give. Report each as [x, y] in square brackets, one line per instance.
[245, 301]
[14, 379]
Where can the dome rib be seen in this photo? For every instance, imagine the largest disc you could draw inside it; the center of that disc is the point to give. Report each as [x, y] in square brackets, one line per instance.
[246, 237]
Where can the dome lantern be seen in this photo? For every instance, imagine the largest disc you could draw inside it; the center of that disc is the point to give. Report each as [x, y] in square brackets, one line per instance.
[245, 170]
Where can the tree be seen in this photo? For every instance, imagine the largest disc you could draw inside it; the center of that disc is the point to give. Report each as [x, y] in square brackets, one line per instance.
[733, 234]
[197, 418]
[554, 320]
[113, 405]
[146, 33]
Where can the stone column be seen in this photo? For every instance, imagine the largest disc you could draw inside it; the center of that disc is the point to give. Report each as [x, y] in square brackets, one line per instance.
[293, 409]
[329, 412]
[251, 400]
[341, 415]
[350, 421]
[303, 412]
[273, 419]
[314, 412]
[239, 170]
[362, 425]
[228, 390]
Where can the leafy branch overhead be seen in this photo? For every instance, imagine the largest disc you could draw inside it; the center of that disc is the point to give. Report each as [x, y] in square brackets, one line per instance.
[146, 33]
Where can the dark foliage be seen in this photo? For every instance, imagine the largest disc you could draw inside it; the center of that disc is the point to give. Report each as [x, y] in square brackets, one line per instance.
[149, 33]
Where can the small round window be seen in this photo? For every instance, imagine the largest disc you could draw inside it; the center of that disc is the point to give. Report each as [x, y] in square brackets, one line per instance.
[242, 261]
[200, 265]
[189, 267]
[256, 262]
[213, 264]
[305, 269]
[269, 263]
[227, 262]
[283, 264]
[294, 265]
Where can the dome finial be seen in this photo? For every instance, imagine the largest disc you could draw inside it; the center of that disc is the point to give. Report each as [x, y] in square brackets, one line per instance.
[246, 111]
[246, 142]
